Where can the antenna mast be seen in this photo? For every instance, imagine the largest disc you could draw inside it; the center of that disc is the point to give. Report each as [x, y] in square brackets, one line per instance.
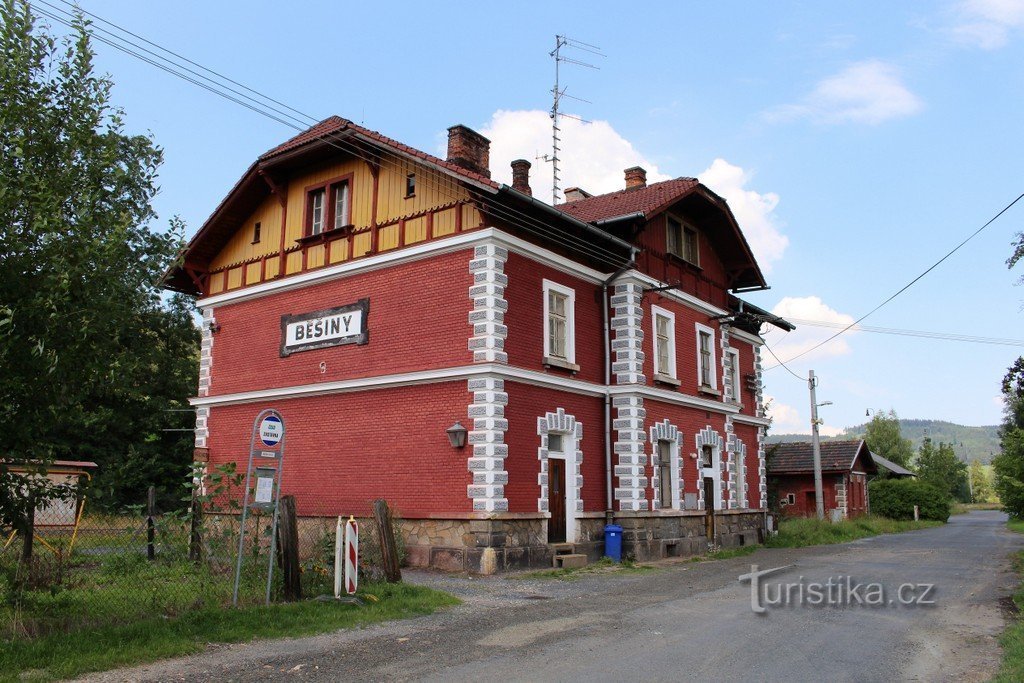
[557, 94]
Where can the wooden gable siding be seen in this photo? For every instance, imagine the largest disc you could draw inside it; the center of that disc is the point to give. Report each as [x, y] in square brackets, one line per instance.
[708, 281]
[382, 216]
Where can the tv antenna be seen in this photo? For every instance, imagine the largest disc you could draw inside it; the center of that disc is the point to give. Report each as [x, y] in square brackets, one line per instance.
[558, 93]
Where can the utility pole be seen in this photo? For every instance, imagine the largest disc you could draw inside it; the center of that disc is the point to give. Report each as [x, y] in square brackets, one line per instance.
[819, 498]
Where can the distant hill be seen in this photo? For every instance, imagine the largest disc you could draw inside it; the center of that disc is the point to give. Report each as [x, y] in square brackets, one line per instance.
[979, 443]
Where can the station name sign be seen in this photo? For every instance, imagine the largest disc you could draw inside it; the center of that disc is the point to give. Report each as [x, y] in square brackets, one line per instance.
[329, 327]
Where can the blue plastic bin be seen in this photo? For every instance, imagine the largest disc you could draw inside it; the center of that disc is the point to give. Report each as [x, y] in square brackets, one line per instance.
[613, 542]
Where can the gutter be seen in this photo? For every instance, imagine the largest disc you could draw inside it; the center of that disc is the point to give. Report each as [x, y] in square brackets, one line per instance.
[588, 227]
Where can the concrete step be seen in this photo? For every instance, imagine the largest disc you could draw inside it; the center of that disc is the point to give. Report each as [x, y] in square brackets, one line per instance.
[570, 561]
[563, 548]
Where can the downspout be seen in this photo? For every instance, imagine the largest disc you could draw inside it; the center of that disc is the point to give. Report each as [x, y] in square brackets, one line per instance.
[609, 512]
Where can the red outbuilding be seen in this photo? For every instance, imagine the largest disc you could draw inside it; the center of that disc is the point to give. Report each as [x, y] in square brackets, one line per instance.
[593, 356]
[845, 466]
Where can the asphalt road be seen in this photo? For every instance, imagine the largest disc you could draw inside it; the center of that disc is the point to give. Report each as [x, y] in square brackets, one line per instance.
[686, 621]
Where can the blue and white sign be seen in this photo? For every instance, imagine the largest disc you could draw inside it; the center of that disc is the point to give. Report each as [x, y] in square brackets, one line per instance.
[271, 430]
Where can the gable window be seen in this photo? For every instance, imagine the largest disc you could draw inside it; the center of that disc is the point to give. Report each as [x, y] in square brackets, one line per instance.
[327, 207]
[559, 326]
[681, 241]
[410, 185]
[256, 233]
[732, 359]
[706, 358]
[664, 344]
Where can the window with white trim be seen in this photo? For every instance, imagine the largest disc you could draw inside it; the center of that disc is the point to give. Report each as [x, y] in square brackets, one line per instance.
[664, 342]
[559, 324]
[706, 378]
[732, 360]
[665, 474]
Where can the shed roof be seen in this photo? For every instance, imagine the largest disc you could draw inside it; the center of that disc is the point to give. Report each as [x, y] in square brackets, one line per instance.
[836, 456]
[891, 467]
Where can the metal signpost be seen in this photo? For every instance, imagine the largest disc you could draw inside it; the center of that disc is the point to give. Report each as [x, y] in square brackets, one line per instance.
[266, 462]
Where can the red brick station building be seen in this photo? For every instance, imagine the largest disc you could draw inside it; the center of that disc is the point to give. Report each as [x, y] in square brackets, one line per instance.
[592, 357]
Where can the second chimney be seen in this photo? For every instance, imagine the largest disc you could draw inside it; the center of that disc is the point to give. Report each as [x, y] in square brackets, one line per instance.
[521, 176]
[469, 149]
[636, 178]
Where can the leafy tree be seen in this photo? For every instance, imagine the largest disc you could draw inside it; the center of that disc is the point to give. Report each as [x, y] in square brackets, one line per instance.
[941, 468]
[896, 498]
[87, 348]
[1009, 464]
[981, 483]
[884, 437]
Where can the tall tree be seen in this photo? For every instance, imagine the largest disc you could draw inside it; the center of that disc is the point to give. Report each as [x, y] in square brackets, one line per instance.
[82, 326]
[1009, 464]
[981, 483]
[884, 437]
[940, 466]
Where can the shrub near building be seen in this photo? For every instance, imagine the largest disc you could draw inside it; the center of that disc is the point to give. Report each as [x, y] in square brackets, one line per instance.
[896, 498]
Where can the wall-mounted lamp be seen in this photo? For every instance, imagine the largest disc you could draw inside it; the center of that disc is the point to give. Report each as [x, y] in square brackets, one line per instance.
[213, 327]
[456, 435]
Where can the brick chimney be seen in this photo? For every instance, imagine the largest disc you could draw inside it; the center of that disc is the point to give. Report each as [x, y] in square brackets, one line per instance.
[636, 178]
[521, 176]
[469, 149]
[573, 194]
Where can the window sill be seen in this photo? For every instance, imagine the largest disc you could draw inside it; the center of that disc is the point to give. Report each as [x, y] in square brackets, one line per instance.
[559, 363]
[710, 391]
[326, 235]
[666, 379]
[254, 242]
[680, 259]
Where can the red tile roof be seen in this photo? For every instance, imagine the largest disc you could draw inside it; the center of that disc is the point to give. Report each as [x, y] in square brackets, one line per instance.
[336, 124]
[644, 200]
[836, 456]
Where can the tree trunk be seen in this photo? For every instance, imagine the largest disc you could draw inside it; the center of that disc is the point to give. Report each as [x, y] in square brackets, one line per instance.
[151, 524]
[388, 547]
[195, 542]
[28, 532]
[288, 543]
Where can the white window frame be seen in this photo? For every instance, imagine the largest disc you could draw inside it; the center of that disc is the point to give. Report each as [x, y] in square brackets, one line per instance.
[733, 356]
[673, 463]
[570, 322]
[570, 444]
[714, 472]
[700, 367]
[670, 371]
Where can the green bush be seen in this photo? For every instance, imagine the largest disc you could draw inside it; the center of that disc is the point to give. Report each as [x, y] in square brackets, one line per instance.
[896, 498]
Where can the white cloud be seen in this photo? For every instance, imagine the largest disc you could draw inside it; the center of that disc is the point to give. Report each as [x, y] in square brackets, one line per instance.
[593, 155]
[754, 211]
[868, 92]
[788, 345]
[788, 420]
[987, 24]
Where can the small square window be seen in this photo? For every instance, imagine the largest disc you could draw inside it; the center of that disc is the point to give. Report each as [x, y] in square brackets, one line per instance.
[410, 185]
[256, 232]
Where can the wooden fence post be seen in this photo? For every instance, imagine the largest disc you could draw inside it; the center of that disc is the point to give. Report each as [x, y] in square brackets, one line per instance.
[388, 547]
[195, 540]
[29, 532]
[151, 524]
[288, 542]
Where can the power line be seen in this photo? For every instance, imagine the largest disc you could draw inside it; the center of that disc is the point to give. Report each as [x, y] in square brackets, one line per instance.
[802, 379]
[906, 286]
[521, 219]
[947, 336]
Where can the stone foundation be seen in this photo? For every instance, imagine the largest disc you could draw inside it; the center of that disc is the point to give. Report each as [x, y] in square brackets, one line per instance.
[654, 536]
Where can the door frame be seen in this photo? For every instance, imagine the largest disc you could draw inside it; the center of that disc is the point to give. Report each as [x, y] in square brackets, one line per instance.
[569, 442]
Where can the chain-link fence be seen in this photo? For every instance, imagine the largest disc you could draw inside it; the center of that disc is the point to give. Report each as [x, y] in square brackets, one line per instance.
[122, 568]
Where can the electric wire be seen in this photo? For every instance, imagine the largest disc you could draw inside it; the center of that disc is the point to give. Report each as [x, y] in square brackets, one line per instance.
[945, 336]
[522, 220]
[905, 287]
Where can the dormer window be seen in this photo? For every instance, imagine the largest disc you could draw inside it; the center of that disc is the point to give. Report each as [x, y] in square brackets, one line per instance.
[327, 207]
[681, 241]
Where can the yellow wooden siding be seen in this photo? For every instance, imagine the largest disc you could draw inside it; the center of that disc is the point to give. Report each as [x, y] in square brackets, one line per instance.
[272, 266]
[444, 222]
[234, 278]
[360, 244]
[217, 283]
[387, 238]
[416, 230]
[293, 263]
[252, 273]
[360, 195]
[339, 251]
[240, 247]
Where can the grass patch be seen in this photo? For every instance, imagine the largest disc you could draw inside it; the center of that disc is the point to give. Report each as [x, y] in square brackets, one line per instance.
[964, 508]
[64, 656]
[1012, 640]
[603, 566]
[798, 533]
[726, 553]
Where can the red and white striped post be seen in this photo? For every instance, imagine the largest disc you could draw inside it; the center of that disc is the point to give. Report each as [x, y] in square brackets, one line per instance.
[351, 556]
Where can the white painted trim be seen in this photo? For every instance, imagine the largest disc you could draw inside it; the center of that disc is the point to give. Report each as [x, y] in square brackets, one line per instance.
[671, 369]
[675, 397]
[675, 471]
[677, 295]
[744, 336]
[751, 420]
[735, 374]
[698, 328]
[408, 254]
[570, 320]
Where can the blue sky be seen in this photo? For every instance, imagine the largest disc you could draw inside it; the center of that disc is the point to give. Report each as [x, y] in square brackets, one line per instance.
[857, 143]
